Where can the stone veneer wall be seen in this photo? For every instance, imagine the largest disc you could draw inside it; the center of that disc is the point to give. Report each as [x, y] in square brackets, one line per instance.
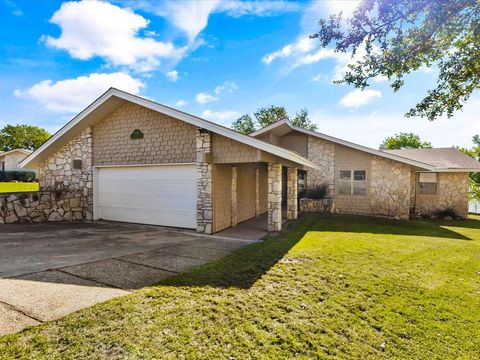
[292, 193]
[40, 206]
[452, 192]
[321, 152]
[57, 175]
[274, 197]
[204, 183]
[166, 139]
[390, 188]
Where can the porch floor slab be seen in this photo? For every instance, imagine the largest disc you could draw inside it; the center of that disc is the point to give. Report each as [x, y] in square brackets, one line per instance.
[252, 229]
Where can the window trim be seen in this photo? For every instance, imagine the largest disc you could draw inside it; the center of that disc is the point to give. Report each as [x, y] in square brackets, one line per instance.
[352, 181]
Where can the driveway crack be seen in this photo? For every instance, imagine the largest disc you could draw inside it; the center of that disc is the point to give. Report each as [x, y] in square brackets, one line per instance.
[11, 307]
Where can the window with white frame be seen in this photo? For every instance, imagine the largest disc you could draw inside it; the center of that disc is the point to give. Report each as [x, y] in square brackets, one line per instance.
[353, 182]
[427, 183]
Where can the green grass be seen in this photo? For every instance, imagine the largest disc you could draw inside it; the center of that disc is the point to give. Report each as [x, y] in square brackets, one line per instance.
[327, 287]
[12, 187]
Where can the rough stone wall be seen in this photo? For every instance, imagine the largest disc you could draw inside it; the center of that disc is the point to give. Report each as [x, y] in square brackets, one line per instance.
[166, 140]
[452, 192]
[292, 193]
[57, 174]
[41, 206]
[390, 188]
[225, 150]
[350, 159]
[204, 183]
[274, 197]
[321, 152]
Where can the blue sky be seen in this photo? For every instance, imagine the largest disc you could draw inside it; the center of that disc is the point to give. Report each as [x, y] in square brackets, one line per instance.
[213, 59]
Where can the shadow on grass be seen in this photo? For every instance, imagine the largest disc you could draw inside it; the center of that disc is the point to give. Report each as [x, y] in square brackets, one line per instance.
[244, 267]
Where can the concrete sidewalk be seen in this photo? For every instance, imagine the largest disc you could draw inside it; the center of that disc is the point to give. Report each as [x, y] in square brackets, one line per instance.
[48, 271]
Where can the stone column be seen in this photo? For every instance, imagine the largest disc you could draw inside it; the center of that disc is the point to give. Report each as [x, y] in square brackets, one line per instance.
[292, 203]
[234, 196]
[274, 197]
[204, 183]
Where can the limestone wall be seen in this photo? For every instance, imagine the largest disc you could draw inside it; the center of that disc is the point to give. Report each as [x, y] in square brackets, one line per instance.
[165, 139]
[41, 206]
[390, 188]
[452, 192]
[204, 183]
[58, 175]
[321, 152]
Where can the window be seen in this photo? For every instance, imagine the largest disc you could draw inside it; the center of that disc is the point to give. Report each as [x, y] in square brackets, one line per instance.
[353, 182]
[3, 165]
[427, 183]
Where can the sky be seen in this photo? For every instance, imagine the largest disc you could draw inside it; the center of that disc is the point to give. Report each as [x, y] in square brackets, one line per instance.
[217, 60]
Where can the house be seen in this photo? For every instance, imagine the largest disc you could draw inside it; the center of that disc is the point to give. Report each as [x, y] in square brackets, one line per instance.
[394, 183]
[9, 160]
[126, 158]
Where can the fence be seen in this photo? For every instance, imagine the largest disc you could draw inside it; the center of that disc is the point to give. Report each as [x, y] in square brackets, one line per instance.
[474, 208]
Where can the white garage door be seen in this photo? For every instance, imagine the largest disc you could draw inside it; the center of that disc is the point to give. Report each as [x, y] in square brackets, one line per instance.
[158, 195]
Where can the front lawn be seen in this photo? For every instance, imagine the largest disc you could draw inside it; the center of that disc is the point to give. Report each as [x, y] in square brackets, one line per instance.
[330, 286]
[13, 187]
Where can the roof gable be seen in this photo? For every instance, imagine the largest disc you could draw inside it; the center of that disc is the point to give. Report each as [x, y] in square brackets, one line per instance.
[283, 125]
[113, 98]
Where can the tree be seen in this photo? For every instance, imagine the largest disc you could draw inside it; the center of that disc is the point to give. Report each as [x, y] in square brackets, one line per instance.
[302, 119]
[22, 136]
[268, 115]
[405, 141]
[398, 37]
[474, 177]
[244, 124]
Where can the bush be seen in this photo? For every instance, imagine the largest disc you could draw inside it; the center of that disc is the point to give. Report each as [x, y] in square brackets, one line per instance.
[317, 192]
[445, 213]
[21, 176]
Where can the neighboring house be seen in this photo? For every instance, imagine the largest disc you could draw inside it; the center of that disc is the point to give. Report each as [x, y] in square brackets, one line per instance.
[126, 158]
[9, 160]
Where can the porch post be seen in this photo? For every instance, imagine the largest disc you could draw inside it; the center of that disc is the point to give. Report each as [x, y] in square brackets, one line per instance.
[292, 202]
[204, 183]
[274, 197]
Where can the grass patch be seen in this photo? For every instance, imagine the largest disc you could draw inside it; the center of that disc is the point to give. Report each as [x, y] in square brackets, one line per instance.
[13, 187]
[329, 286]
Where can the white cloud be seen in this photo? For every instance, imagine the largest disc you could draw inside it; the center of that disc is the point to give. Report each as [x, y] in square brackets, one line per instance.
[191, 16]
[357, 98]
[96, 28]
[227, 86]
[203, 98]
[303, 45]
[180, 103]
[72, 95]
[172, 75]
[221, 116]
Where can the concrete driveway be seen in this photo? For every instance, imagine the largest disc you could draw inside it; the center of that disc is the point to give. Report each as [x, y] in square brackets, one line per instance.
[50, 270]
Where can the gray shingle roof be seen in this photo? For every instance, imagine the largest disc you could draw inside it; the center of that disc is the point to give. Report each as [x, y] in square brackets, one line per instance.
[441, 158]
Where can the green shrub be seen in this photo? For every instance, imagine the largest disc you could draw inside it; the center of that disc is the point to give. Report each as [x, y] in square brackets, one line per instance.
[21, 176]
[317, 192]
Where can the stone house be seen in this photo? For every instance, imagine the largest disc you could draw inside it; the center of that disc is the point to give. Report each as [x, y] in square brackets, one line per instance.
[126, 158]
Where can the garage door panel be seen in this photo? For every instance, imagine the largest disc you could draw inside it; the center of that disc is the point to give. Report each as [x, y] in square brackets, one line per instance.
[159, 195]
